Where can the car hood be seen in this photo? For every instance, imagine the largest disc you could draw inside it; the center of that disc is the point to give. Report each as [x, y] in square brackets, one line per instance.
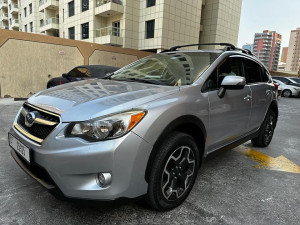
[92, 98]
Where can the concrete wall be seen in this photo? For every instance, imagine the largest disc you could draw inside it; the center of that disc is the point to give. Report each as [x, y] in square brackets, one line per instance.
[28, 61]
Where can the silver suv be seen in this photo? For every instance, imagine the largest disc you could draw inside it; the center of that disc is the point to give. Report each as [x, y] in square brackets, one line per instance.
[146, 129]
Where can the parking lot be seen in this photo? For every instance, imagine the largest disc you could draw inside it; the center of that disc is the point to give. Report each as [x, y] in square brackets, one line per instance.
[245, 185]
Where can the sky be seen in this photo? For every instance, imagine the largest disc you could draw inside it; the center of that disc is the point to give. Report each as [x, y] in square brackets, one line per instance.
[281, 16]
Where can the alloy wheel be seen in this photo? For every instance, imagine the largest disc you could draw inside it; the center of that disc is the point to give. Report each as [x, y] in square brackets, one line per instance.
[178, 172]
[269, 129]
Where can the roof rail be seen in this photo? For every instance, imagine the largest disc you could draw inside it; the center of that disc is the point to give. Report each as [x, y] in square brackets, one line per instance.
[231, 46]
[228, 47]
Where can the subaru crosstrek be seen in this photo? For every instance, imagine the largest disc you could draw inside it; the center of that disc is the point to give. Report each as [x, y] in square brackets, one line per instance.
[146, 129]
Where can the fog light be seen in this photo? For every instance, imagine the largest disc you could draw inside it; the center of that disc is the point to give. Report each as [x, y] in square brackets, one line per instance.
[104, 179]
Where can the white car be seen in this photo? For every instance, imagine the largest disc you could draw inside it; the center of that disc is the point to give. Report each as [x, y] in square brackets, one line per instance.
[287, 90]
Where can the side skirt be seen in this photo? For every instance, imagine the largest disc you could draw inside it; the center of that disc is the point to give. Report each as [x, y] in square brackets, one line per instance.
[232, 145]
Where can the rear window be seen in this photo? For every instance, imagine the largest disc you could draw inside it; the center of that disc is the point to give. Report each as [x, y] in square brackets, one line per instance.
[79, 72]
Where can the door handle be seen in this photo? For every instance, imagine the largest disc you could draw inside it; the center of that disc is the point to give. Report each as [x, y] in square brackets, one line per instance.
[247, 98]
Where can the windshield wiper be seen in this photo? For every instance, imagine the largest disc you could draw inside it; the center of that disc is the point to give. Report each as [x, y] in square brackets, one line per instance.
[132, 79]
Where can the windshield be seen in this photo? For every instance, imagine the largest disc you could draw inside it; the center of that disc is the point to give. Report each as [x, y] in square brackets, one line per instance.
[173, 69]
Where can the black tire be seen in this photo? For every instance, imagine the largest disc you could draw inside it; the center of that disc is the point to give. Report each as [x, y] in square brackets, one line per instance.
[166, 171]
[286, 93]
[267, 131]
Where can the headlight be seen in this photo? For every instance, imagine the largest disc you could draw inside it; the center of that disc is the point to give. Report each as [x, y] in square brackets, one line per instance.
[297, 89]
[104, 128]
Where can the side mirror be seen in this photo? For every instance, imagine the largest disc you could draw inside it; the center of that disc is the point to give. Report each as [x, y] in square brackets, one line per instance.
[231, 83]
[64, 75]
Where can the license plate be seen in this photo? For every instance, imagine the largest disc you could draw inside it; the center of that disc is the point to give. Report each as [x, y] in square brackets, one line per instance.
[19, 147]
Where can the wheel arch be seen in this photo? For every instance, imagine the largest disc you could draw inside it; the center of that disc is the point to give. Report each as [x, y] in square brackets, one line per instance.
[274, 107]
[188, 124]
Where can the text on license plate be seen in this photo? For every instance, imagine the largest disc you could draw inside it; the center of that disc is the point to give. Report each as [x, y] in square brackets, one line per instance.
[19, 147]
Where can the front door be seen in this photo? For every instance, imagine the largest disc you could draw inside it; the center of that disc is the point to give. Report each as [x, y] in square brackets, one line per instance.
[228, 116]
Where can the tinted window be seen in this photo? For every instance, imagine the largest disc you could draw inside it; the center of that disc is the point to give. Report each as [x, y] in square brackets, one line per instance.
[79, 72]
[231, 67]
[150, 3]
[85, 30]
[265, 75]
[150, 26]
[252, 72]
[71, 8]
[85, 5]
[72, 33]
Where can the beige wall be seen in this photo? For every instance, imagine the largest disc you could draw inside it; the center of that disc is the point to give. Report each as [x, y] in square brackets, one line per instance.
[220, 21]
[28, 61]
[111, 59]
[293, 56]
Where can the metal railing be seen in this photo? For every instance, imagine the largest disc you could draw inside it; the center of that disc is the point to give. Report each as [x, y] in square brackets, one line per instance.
[15, 21]
[14, 6]
[4, 15]
[52, 20]
[103, 2]
[114, 31]
[42, 2]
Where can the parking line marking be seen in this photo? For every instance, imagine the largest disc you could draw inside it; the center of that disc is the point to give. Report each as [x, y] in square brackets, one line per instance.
[280, 163]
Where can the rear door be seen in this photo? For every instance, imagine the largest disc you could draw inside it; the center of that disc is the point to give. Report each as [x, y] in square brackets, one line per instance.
[228, 116]
[257, 79]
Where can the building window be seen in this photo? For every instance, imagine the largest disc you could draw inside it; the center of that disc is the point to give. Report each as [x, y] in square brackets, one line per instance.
[71, 8]
[31, 26]
[116, 28]
[30, 8]
[85, 31]
[150, 25]
[151, 3]
[72, 33]
[84, 5]
[25, 12]
[25, 28]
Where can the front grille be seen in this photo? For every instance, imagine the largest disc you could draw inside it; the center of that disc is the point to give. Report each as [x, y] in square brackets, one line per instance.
[37, 131]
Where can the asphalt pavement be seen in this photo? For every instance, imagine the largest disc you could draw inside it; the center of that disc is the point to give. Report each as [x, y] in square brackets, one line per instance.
[246, 185]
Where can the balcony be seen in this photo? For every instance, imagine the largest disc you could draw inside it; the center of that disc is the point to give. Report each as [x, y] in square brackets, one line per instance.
[108, 8]
[14, 9]
[4, 17]
[3, 4]
[48, 4]
[50, 24]
[15, 24]
[109, 36]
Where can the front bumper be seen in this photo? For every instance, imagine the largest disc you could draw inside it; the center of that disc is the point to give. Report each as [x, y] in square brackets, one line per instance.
[71, 165]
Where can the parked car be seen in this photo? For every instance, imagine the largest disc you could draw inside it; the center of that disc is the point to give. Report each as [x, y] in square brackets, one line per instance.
[287, 80]
[286, 89]
[296, 79]
[147, 128]
[82, 73]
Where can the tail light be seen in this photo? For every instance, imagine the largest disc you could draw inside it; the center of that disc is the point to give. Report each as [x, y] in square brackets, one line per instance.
[276, 86]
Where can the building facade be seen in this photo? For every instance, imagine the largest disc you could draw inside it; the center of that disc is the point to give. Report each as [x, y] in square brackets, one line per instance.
[284, 53]
[151, 25]
[267, 48]
[293, 56]
[248, 46]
